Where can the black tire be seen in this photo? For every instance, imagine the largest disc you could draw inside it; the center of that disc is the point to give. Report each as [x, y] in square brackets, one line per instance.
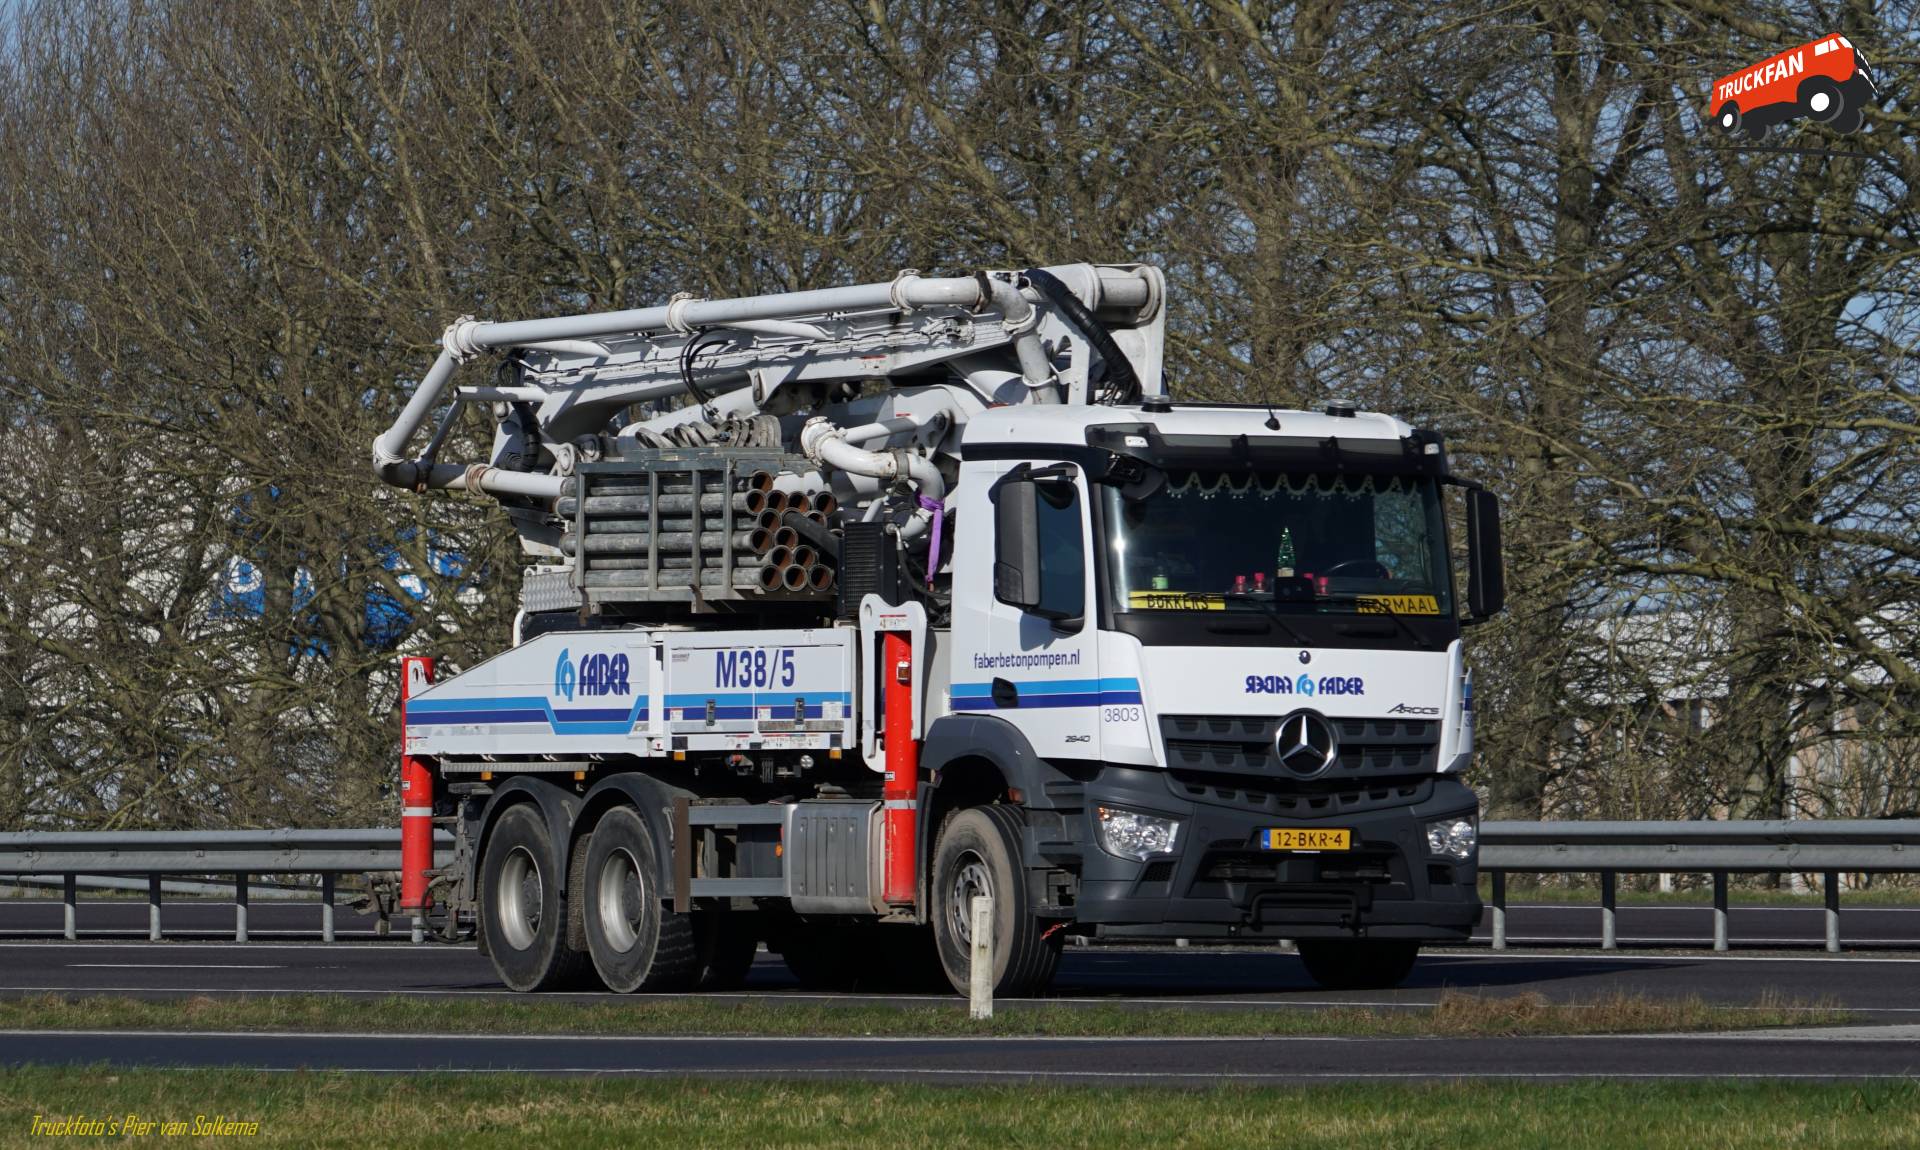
[637, 944]
[1753, 130]
[979, 853]
[1821, 100]
[1348, 964]
[726, 942]
[523, 916]
[1849, 119]
[1726, 121]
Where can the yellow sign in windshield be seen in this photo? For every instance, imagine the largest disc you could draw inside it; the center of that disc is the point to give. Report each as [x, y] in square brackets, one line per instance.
[1396, 604]
[1175, 601]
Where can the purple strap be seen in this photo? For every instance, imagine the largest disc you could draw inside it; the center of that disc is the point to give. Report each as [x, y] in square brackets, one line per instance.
[939, 510]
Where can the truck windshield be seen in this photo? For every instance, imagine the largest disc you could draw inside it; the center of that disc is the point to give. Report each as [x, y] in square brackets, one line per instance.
[1301, 543]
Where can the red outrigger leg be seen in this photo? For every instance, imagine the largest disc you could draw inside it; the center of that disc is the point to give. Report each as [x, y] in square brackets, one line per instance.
[416, 801]
[902, 789]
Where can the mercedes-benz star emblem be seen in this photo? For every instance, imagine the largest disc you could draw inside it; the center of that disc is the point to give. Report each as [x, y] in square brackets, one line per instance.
[1305, 743]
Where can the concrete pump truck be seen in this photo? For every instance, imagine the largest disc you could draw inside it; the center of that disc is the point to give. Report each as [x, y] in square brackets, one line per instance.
[846, 606]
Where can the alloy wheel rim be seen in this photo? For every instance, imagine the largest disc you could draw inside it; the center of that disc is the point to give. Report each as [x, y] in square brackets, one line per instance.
[622, 900]
[520, 898]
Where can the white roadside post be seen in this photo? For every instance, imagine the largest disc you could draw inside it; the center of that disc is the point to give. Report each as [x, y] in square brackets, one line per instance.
[981, 967]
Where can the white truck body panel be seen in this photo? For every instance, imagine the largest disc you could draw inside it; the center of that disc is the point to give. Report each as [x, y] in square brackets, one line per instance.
[644, 693]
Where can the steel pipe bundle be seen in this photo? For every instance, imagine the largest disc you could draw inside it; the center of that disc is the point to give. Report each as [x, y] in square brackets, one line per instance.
[768, 533]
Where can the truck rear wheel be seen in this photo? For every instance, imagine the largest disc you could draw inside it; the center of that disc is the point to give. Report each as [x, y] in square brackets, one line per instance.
[523, 918]
[636, 943]
[1358, 964]
[979, 854]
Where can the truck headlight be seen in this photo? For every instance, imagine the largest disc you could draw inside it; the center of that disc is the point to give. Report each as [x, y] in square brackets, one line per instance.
[1132, 835]
[1454, 838]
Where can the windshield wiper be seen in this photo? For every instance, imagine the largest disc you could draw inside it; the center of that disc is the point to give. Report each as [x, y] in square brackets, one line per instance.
[1385, 608]
[1272, 612]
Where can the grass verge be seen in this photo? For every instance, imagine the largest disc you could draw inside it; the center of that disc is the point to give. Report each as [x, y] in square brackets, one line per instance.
[477, 1111]
[1456, 1014]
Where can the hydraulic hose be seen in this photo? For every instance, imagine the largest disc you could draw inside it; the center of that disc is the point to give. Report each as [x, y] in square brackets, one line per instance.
[1121, 382]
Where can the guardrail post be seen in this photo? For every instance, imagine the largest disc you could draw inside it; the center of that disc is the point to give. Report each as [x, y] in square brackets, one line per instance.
[326, 907]
[1499, 910]
[1719, 910]
[69, 898]
[153, 908]
[1832, 882]
[1609, 935]
[980, 1004]
[239, 908]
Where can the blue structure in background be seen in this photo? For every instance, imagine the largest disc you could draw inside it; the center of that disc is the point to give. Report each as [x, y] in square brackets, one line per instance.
[243, 594]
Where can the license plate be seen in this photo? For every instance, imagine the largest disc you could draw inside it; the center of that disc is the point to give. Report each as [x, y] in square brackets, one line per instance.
[1303, 839]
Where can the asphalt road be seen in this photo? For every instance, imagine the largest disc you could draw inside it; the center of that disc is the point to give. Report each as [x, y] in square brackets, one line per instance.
[1839, 1054]
[1878, 987]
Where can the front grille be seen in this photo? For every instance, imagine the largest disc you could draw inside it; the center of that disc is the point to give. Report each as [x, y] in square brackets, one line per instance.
[1298, 800]
[1243, 745]
[1358, 866]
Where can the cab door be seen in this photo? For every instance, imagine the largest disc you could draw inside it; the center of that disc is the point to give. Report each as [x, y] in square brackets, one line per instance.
[1036, 662]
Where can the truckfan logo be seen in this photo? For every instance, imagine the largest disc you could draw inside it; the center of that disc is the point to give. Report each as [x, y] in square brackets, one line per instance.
[1305, 743]
[1825, 80]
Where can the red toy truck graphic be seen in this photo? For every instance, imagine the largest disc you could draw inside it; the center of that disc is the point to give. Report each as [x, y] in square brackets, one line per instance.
[1826, 80]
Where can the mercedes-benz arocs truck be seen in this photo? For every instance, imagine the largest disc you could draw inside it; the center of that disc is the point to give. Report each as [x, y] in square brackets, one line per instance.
[845, 606]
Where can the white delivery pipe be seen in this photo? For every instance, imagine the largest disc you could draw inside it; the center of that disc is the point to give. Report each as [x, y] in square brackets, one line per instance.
[1023, 323]
[388, 462]
[468, 338]
[827, 446]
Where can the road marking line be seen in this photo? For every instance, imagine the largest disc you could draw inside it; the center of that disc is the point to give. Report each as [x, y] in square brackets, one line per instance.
[171, 966]
[399, 944]
[103, 944]
[1704, 907]
[883, 1073]
[1682, 941]
[1899, 1036]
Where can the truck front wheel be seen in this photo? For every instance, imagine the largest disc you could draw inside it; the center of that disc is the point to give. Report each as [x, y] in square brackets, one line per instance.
[1357, 964]
[979, 854]
[636, 943]
[523, 918]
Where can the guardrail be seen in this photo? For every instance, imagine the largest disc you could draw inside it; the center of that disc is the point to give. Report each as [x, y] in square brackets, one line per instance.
[1607, 849]
[1829, 847]
[242, 854]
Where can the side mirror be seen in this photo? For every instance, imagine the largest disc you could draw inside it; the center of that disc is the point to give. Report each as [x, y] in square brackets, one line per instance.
[1016, 542]
[1486, 577]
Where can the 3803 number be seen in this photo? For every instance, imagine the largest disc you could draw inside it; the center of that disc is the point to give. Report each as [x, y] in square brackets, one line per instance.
[1119, 714]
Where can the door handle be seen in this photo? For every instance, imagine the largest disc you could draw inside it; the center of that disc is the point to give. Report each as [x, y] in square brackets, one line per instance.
[1005, 694]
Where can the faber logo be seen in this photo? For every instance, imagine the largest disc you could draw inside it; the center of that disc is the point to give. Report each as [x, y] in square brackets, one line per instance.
[1825, 80]
[595, 675]
[1305, 685]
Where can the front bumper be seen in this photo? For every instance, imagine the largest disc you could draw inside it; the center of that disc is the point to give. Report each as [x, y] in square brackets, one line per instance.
[1220, 883]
